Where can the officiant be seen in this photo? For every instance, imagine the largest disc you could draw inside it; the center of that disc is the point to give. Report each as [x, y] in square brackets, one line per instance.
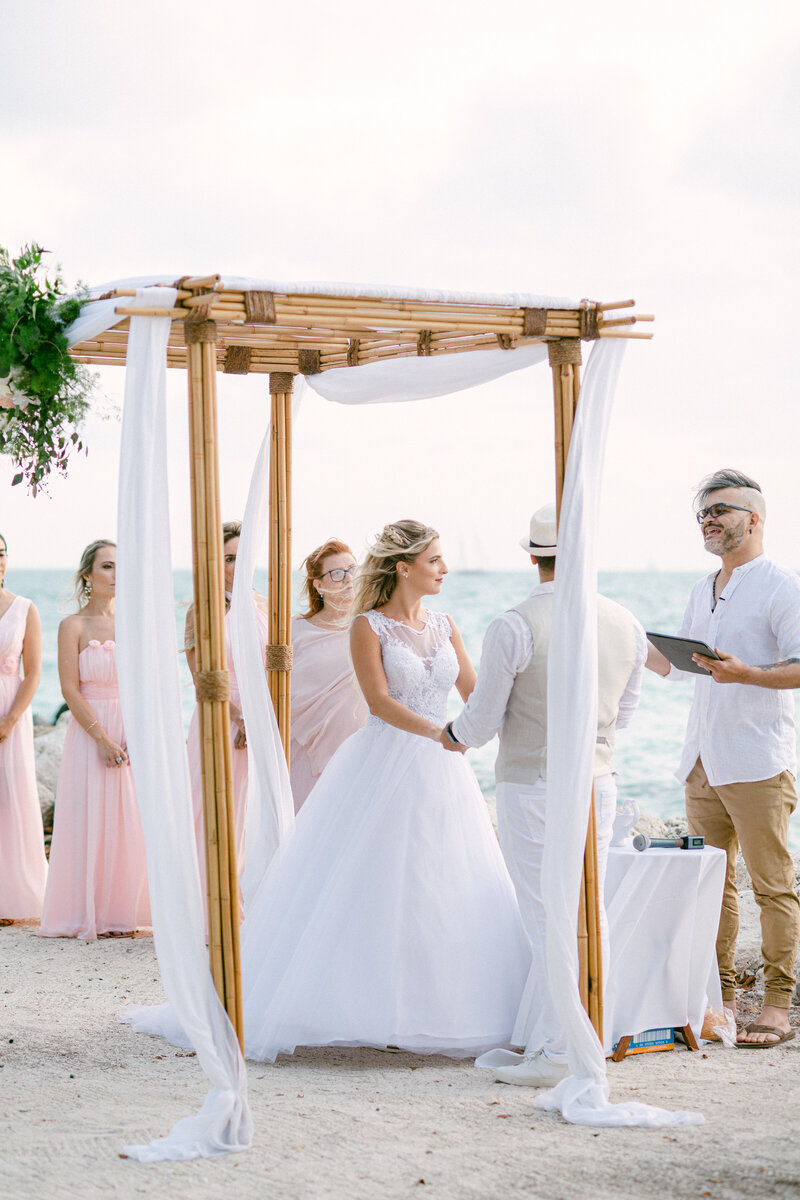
[510, 696]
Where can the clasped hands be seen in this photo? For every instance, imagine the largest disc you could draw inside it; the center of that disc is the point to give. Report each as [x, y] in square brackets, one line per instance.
[448, 744]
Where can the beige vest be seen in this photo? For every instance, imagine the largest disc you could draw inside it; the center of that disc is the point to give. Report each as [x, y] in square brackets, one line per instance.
[523, 738]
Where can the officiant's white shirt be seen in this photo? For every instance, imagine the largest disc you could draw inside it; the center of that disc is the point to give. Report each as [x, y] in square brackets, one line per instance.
[742, 732]
[507, 650]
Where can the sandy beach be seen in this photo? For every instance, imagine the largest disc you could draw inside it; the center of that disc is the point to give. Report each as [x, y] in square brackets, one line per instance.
[77, 1086]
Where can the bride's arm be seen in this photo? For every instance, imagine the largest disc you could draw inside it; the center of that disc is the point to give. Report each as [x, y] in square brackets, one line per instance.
[365, 648]
[467, 674]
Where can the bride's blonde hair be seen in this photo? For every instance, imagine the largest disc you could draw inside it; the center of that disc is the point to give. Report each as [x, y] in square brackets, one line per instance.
[376, 578]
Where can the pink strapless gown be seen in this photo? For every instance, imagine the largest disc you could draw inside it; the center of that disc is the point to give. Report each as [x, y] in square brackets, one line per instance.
[98, 871]
[23, 866]
[238, 762]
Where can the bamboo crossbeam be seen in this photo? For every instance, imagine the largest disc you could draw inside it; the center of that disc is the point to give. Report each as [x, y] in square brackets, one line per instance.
[616, 304]
[611, 333]
[206, 282]
[364, 303]
[182, 294]
[173, 313]
[378, 321]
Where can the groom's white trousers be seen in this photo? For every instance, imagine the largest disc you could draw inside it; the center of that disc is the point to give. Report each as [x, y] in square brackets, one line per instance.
[521, 828]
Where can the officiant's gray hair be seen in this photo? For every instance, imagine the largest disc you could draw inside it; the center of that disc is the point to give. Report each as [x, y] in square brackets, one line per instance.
[729, 477]
[376, 578]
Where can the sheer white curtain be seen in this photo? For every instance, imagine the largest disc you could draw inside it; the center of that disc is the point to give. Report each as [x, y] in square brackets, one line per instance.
[403, 379]
[151, 706]
[571, 733]
[270, 811]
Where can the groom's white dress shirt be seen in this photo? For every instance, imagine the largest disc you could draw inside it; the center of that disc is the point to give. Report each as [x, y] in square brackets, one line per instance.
[507, 651]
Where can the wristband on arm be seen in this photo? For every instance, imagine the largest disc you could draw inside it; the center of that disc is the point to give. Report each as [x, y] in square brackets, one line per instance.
[448, 729]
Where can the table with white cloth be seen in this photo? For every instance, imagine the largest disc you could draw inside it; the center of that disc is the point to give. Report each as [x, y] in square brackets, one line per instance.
[663, 909]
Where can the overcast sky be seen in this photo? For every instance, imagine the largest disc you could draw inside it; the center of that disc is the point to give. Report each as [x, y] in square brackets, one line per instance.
[610, 151]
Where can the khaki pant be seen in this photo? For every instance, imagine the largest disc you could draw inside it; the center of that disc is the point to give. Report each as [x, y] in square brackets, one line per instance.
[755, 816]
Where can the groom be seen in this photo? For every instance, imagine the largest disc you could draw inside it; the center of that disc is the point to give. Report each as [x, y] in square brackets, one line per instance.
[511, 696]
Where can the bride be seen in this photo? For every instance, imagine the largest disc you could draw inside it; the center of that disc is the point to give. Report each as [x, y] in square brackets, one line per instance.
[387, 917]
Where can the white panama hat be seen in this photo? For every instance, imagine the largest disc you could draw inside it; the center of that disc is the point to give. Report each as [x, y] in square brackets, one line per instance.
[542, 540]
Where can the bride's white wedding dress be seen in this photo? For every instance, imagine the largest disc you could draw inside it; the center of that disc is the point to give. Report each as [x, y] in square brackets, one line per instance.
[388, 917]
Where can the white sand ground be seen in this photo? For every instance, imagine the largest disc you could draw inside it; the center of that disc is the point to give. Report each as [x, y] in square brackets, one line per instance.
[76, 1086]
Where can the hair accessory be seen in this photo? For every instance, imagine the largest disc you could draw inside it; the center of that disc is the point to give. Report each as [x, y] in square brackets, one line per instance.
[391, 535]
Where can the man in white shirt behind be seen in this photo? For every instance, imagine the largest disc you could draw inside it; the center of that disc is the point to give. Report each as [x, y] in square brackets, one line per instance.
[510, 696]
[739, 755]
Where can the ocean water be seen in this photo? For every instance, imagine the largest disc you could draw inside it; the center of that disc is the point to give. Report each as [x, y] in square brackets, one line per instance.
[646, 753]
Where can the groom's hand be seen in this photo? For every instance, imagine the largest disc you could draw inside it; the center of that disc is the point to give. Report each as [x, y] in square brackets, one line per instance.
[449, 743]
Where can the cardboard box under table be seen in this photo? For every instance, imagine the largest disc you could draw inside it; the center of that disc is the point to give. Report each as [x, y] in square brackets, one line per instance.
[663, 911]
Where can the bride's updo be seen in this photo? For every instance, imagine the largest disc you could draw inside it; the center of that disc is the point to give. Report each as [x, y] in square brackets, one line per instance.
[376, 578]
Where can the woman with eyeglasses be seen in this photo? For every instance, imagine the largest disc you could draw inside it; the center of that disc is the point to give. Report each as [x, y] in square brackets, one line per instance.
[231, 532]
[23, 867]
[327, 705]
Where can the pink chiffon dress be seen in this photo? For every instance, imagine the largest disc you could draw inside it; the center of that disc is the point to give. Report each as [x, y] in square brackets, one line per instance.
[23, 866]
[238, 759]
[327, 705]
[98, 872]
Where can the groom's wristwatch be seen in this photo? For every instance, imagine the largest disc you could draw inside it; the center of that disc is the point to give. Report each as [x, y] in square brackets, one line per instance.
[448, 729]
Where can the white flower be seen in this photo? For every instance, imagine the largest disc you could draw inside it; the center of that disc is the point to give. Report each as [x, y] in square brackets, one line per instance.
[10, 397]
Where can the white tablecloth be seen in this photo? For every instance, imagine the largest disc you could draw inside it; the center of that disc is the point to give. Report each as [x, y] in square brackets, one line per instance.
[663, 911]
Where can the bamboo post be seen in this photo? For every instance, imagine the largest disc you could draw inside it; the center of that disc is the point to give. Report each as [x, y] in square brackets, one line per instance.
[565, 361]
[213, 681]
[279, 651]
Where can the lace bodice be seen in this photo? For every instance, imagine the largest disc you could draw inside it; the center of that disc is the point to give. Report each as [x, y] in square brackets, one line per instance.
[421, 665]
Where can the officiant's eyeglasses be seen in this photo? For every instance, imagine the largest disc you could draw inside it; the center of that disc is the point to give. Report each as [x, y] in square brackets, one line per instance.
[338, 574]
[719, 510]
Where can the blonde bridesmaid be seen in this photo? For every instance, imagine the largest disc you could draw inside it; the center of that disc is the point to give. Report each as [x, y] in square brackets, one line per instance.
[97, 886]
[327, 705]
[23, 866]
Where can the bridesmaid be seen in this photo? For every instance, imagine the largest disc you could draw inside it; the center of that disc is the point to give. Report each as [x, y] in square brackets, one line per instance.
[97, 885]
[230, 537]
[327, 705]
[23, 866]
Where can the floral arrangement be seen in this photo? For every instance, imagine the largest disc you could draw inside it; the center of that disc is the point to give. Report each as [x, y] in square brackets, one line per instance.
[44, 394]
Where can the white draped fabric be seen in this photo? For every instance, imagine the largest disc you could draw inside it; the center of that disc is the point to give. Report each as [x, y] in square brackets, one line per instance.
[270, 811]
[369, 291]
[571, 732]
[155, 734]
[399, 380]
[150, 693]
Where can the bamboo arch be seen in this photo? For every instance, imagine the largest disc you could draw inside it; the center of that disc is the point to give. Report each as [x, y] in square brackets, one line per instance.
[220, 327]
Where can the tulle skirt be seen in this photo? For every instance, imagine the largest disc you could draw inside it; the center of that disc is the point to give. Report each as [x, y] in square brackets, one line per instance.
[387, 916]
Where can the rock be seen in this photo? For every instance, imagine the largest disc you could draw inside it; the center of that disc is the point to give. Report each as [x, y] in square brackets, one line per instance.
[48, 745]
[650, 826]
